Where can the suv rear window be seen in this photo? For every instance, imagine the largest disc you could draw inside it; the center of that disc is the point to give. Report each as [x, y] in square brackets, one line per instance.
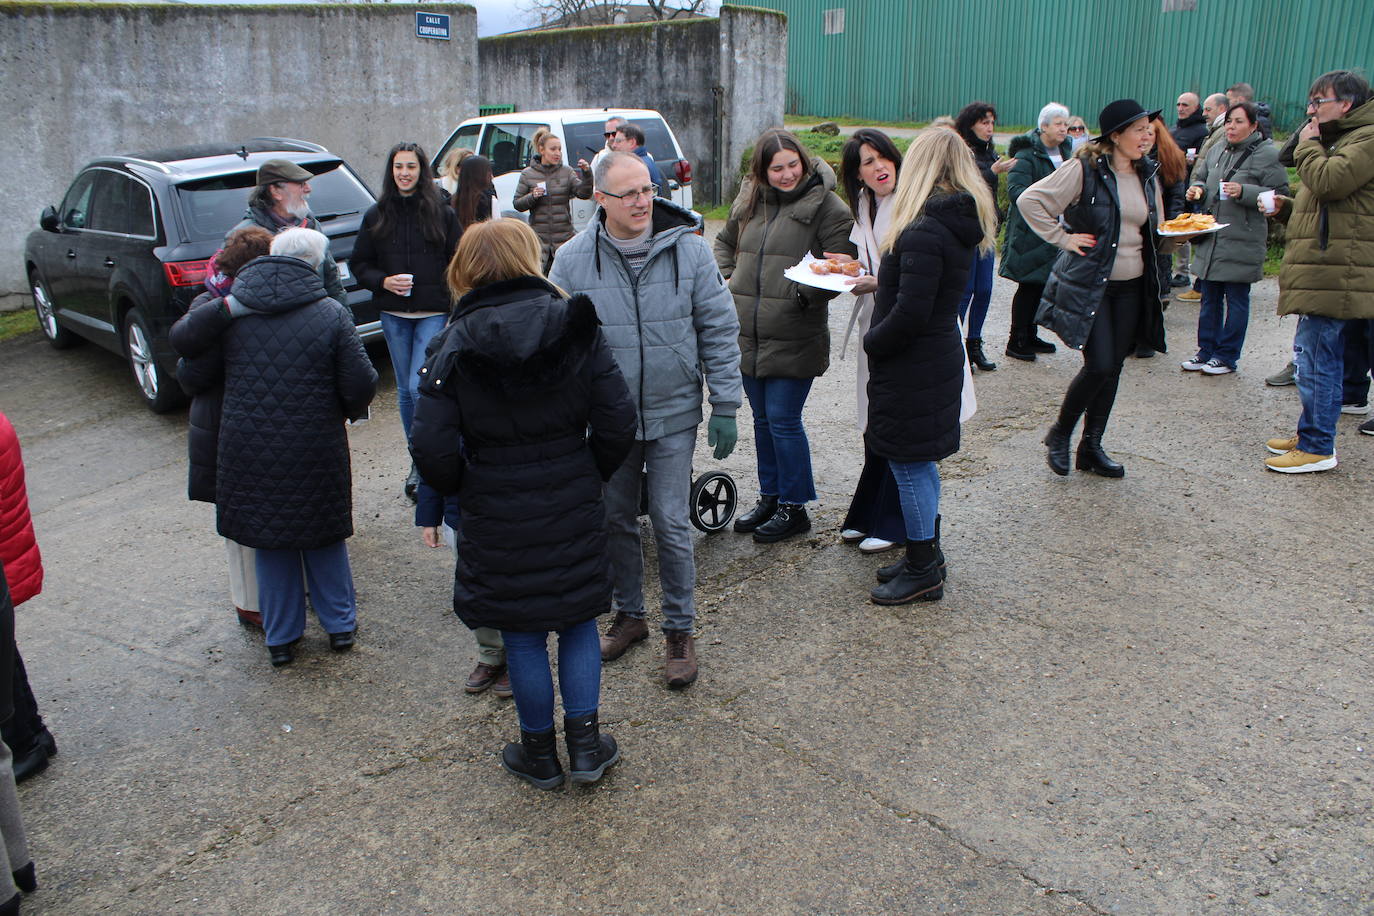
[210, 207]
[586, 139]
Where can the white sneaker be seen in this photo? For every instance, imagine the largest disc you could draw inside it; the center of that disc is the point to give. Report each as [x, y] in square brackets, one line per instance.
[1217, 367]
[875, 545]
[852, 535]
[1192, 365]
[1360, 409]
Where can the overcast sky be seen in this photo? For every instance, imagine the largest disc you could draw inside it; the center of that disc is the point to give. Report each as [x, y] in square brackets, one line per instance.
[496, 16]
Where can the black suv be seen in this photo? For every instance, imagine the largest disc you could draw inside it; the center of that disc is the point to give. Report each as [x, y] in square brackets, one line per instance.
[127, 251]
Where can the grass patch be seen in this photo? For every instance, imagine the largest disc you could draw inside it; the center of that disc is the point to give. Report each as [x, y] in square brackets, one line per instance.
[722, 212]
[15, 324]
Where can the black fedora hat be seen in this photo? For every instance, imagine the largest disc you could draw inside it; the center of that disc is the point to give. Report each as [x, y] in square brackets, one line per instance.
[1120, 113]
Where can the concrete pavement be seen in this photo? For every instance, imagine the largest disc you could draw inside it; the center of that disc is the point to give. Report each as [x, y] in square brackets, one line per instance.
[1149, 695]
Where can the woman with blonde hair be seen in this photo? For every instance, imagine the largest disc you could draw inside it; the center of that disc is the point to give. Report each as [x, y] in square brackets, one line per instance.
[546, 189]
[524, 415]
[448, 169]
[943, 216]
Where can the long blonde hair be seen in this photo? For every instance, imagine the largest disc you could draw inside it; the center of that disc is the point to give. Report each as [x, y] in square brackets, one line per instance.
[938, 159]
[493, 251]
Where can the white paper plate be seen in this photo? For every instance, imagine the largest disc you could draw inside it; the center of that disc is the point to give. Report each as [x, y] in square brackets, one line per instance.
[801, 273]
[1217, 228]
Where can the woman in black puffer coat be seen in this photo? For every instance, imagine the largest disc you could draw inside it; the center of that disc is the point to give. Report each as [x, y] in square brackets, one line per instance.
[516, 382]
[201, 374]
[294, 371]
[943, 216]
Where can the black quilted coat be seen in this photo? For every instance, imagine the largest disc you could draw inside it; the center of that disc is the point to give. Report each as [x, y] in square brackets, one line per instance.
[915, 351]
[524, 414]
[294, 370]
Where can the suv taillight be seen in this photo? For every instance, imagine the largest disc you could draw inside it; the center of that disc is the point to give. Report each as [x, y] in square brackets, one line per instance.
[684, 172]
[186, 273]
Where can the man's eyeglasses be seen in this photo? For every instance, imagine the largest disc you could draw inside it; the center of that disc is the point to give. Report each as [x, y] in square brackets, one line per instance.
[1078, 130]
[630, 198]
[1314, 103]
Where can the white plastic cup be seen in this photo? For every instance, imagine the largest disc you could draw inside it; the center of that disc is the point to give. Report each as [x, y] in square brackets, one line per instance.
[409, 281]
[1221, 190]
[1267, 202]
[543, 186]
[1192, 155]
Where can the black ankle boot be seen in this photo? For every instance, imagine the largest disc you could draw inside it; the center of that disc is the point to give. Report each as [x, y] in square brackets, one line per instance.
[892, 570]
[1017, 348]
[976, 357]
[919, 580]
[1091, 457]
[25, 879]
[1038, 345]
[788, 521]
[756, 516]
[535, 759]
[590, 753]
[1057, 454]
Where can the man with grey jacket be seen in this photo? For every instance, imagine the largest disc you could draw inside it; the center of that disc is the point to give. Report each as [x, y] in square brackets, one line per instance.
[670, 320]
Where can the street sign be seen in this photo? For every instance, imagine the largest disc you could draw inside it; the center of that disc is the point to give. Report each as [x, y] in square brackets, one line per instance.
[432, 25]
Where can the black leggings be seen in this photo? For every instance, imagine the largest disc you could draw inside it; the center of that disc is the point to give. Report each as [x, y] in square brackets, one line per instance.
[1024, 304]
[1111, 340]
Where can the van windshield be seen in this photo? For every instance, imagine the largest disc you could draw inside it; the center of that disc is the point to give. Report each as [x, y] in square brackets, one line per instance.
[586, 140]
[210, 207]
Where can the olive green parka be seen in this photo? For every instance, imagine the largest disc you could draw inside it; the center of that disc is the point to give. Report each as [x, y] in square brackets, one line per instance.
[784, 326]
[1328, 261]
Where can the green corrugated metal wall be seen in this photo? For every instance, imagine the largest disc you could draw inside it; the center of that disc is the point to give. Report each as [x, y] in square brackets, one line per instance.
[910, 60]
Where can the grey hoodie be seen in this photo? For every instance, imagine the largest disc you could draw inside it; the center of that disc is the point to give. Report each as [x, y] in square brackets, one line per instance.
[668, 328]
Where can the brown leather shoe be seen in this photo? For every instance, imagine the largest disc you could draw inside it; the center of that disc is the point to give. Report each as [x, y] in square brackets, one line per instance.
[680, 659]
[502, 686]
[483, 676]
[249, 618]
[622, 632]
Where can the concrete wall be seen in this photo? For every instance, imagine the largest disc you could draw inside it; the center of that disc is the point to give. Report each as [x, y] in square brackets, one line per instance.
[669, 66]
[83, 81]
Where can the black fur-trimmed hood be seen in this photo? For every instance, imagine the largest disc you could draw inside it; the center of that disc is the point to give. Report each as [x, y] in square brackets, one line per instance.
[517, 337]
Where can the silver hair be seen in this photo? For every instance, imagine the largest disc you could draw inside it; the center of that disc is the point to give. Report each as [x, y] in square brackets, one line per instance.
[1050, 112]
[603, 167]
[307, 245]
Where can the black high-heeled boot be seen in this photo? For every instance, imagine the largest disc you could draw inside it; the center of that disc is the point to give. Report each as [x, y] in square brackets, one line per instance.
[976, 357]
[1057, 450]
[1090, 455]
[535, 759]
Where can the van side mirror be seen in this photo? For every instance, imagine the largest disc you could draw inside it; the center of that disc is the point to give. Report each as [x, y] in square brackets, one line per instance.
[48, 219]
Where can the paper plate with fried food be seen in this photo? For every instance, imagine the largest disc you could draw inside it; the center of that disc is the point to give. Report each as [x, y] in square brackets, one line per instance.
[1191, 224]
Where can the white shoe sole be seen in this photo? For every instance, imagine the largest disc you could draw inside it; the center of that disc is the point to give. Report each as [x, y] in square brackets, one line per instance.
[1217, 370]
[876, 545]
[1351, 410]
[852, 536]
[1325, 464]
[1277, 451]
[1191, 366]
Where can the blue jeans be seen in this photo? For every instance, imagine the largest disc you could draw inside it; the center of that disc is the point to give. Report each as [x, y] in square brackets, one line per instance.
[665, 466]
[1319, 354]
[1222, 319]
[918, 487]
[406, 339]
[783, 453]
[977, 295]
[531, 682]
[282, 577]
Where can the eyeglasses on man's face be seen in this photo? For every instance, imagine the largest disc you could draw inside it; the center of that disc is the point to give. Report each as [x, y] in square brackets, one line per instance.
[629, 198]
[1317, 103]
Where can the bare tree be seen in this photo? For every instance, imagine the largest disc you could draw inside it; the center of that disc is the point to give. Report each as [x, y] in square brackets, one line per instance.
[608, 12]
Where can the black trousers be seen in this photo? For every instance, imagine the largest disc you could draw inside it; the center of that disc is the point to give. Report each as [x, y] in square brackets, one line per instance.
[20, 729]
[1024, 304]
[1112, 338]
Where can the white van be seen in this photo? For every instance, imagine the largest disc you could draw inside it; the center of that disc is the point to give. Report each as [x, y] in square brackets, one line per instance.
[507, 141]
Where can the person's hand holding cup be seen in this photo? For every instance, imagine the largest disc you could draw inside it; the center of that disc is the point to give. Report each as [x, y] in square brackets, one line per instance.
[1267, 204]
[399, 284]
[540, 189]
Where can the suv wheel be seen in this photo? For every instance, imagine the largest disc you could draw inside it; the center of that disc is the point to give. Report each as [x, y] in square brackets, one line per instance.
[160, 392]
[58, 336]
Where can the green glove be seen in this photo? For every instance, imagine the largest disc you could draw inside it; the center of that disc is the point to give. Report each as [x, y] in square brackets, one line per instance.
[722, 434]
